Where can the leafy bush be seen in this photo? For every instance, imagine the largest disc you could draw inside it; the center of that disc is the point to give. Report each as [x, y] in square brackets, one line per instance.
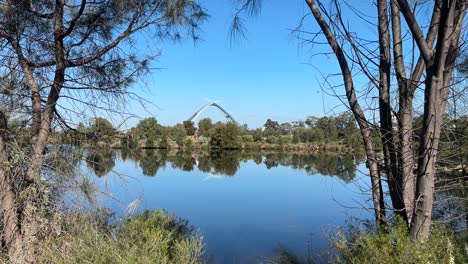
[152, 237]
[225, 136]
[272, 140]
[283, 140]
[188, 143]
[247, 139]
[366, 245]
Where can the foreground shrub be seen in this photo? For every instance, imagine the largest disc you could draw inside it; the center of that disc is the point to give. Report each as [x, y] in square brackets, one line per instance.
[152, 237]
[366, 245]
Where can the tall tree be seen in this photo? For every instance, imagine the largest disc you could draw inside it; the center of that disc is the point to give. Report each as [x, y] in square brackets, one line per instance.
[225, 136]
[101, 130]
[434, 43]
[148, 130]
[204, 127]
[190, 128]
[70, 55]
[438, 52]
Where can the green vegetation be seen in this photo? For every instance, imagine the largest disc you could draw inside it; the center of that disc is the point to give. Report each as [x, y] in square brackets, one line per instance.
[148, 130]
[225, 136]
[335, 133]
[64, 58]
[204, 127]
[152, 237]
[190, 128]
[366, 245]
[227, 162]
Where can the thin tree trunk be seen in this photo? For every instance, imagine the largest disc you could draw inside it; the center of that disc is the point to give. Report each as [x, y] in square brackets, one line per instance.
[12, 236]
[31, 215]
[376, 185]
[385, 112]
[406, 89]
[405, 180]
[35, 91]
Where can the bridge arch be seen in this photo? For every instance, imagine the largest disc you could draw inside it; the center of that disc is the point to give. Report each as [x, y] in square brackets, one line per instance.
[215, 104]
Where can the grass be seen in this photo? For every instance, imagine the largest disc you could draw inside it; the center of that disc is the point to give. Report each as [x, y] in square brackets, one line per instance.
[152, 237]
[367, 245]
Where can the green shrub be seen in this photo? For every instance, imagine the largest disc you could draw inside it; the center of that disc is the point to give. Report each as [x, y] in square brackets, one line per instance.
[272, 140]
[163, 143]
[152, 237]
[149, 142]
[283, 140]
[188, 143]
[247, 139]
[366, 245]
[225, 136]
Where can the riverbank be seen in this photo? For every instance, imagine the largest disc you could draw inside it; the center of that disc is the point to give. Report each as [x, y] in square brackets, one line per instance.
[195, 144]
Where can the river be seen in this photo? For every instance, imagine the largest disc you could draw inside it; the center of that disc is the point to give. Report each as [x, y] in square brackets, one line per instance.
[245, 204]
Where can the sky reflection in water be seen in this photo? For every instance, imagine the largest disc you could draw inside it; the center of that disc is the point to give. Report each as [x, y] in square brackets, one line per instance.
[244, 204]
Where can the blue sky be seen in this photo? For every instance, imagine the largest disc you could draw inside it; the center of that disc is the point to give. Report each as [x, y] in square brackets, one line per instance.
[267, 75]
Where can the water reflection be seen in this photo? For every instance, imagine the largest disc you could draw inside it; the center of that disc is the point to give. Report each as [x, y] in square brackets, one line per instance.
[101, 162]
[326, 164]
[227, 162]
[275, 197]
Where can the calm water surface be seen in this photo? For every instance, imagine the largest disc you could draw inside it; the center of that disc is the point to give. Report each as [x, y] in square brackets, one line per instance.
[244, 204]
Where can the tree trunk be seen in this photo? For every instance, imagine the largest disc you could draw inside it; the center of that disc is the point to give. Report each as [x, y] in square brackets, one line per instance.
[385, 112]
[12, 236]
[439, 72]
[421, 222]
[406, 89]
[372, 163]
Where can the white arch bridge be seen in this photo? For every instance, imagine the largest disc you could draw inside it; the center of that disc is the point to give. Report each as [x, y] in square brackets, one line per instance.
[215, 104]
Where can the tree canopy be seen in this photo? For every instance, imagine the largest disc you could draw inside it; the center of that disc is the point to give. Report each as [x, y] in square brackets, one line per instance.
[61, 58]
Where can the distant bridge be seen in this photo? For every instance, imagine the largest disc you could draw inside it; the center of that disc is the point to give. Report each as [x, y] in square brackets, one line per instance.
[215, 104]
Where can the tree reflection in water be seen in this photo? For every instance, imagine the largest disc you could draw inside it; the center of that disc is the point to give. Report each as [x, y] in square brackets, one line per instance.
[326, 164]
[101, 162]
[227, 162]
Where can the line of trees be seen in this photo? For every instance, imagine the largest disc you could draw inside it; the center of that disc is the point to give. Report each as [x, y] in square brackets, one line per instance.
[335, 130]
[148, 133]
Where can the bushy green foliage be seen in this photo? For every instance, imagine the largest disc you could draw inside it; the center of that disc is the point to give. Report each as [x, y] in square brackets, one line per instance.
[360, 245]
[225, 136]
[366, 245]
[148, 128]
[163, 142]
[247, 139]
[101, 130]
[257, 135]
[204, 127]
[188, 143]
[152, 237]
[283, 140]
[272, 128]
[178, 133]
[329, 127]
[272, 140]
[190, 128]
